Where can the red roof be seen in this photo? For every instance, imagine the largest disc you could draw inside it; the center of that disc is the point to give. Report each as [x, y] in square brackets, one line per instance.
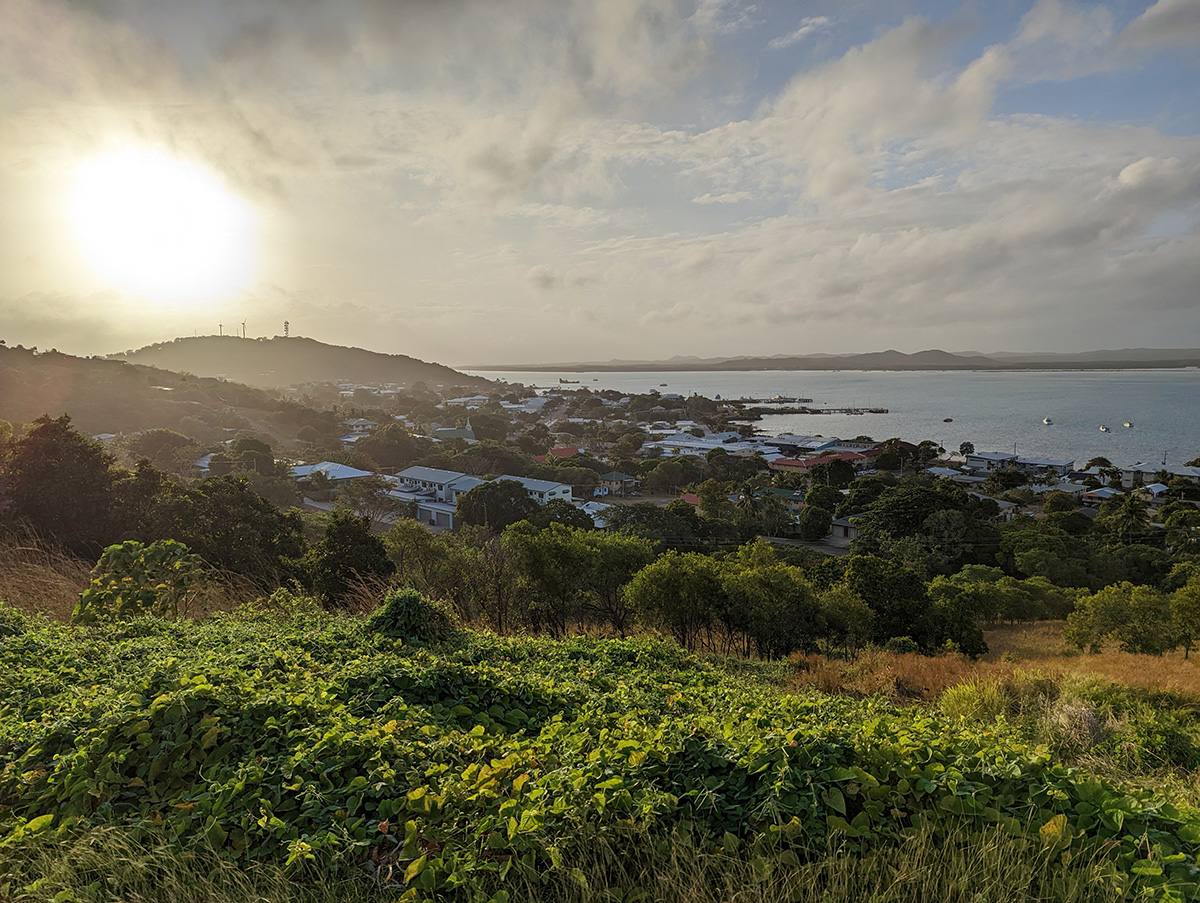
[691, 498]
[852, 457]
[565, 451]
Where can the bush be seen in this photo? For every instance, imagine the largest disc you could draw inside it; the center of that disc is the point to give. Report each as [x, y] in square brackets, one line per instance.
[12, 622]
[902, 645]
[133, 579]
[406, 614]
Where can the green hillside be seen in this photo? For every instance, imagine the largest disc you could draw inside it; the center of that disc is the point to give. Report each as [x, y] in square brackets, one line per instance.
[481, 768]
[292, 361]
[116, 397]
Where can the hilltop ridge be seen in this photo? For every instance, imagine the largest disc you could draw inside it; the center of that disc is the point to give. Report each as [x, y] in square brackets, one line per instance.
[932, 359]
[280, 361]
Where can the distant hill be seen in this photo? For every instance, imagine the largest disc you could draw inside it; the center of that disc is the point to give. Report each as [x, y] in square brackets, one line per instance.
[1125, 359]
[105, 396]
[277, 362]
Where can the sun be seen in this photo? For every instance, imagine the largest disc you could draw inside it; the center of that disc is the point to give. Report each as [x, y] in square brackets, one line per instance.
[155, 226]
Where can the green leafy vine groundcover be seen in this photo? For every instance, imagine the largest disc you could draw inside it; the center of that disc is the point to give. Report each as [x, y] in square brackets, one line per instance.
[320, 743]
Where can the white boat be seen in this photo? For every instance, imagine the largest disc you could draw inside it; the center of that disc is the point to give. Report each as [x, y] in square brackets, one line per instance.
[1103, 428]
[1127, 424]
[1047, 421]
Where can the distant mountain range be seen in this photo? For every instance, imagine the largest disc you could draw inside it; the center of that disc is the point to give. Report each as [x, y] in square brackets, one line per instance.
[1123, 359]
[277, 362]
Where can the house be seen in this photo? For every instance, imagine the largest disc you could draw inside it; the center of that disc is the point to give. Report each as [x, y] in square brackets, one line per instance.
[990, 460]
[441, 485]
[793, 499]
[843, 528]
[542, 491]
[1044, 465]
[792, 465]
[560, 451]
[359, 426]
[616, 483]
[442, 433]
[597, 511]
[334, 472]
[1007, 510]
[1096, 497]
[1136, 474]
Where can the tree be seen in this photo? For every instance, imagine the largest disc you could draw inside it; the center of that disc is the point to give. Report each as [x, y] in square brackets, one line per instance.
[1127, 518]
[1185, 614]
[679, 592]
[1139, 618]
[495, 505]
[814, 523]
[849, 621]
[824, 497]
[231, 527]
[60, 484]
[612, 560]
[553, 563]
[560, 511]
[966, 448]
[837, 473]
[896, 594]
[371, 497]
[1057, 500]
[769, 602]
[349, 555]
[1098, 462]
[1004, 479]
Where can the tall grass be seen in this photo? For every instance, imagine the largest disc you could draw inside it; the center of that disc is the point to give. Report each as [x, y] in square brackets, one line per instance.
[966, 866]
[39, 579]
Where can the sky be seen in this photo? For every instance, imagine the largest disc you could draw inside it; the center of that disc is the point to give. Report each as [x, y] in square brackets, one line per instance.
[494, 182]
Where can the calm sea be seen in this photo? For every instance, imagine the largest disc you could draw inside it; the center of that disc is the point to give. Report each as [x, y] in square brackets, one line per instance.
[996, 411]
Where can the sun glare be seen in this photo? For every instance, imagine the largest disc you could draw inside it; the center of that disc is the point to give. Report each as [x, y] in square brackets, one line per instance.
[161, 228]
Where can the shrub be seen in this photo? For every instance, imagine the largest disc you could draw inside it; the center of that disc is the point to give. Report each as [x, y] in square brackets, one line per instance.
[902, 645]
[408, 615]
[132, 579]
[11, 621]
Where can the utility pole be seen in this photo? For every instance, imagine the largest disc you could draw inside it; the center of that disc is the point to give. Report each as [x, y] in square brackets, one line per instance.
[220, 329]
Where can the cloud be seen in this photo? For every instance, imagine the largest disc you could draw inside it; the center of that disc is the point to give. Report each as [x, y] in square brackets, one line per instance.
[807, 27]
[1166, 23]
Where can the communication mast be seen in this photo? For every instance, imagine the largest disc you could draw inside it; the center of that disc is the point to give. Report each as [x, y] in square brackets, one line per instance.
[286, 324]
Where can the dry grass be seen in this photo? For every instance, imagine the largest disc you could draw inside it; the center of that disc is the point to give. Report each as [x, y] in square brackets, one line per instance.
[38, 579]
[1036, 646]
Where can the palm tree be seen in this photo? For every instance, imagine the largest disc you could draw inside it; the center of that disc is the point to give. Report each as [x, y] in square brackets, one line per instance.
[1128, 520]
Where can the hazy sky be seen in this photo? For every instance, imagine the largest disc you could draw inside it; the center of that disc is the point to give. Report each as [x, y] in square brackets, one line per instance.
[494, 181]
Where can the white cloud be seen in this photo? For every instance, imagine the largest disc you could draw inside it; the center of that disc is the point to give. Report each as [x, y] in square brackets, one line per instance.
[807, 27]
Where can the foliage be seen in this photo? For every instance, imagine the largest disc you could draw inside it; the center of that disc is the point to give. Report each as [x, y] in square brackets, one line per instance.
[813, 522]
[349, 555]
[231, 527]
[133, 579]
[59, 484]
[370, 497]
[406, 614]
[12, 622]
[495, 505]
[1137, 617]
[313, 746]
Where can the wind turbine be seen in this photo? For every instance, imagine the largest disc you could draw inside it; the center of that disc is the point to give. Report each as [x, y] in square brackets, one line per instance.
[243, 329]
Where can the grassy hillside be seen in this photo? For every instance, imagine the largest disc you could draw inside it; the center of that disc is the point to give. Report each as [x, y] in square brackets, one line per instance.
[292, 361]
[113, 396]
[260, 755]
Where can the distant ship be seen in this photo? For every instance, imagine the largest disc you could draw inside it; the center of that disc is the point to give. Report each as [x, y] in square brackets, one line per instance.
[1127, 424]
[662, 384]
[947, 420]
[1047, 421]
[1103, 428]
[568, 382]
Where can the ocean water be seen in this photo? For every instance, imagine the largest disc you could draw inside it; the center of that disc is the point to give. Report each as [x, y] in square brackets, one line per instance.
[997, 411]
